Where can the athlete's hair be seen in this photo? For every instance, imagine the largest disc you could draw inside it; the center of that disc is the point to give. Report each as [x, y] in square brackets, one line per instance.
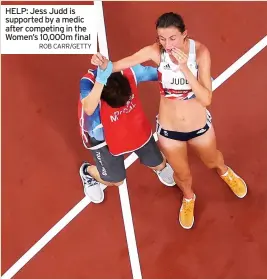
[117, 92]
[171, 20]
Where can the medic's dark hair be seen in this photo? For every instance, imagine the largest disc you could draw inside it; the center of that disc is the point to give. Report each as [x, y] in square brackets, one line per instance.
[117, 92]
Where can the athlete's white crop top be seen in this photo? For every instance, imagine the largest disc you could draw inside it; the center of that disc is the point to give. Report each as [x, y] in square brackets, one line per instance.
[173, 83]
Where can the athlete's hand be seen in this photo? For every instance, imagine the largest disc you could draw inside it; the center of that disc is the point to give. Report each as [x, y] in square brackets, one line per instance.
[104, 65]
[98, 59]
[180, 56]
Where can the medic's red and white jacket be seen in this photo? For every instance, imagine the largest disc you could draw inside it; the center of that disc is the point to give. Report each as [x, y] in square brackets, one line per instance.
[125, 129]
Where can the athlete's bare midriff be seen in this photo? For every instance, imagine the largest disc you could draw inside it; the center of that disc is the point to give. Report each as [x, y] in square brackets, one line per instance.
[181, 116]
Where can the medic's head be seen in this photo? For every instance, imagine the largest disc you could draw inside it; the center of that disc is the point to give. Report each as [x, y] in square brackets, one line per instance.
[117, 92]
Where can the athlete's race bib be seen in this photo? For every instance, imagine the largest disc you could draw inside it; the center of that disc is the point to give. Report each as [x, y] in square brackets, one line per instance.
[173, 78]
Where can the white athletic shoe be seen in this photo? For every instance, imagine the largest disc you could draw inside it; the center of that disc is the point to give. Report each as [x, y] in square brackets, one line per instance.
[91, 186]
[166, 175]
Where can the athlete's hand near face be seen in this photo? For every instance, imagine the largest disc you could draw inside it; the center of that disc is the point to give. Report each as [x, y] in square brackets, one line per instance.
[180, 56]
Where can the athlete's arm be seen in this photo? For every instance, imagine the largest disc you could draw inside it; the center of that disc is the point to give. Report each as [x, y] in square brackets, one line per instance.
[145, 54]
[145, 73]
[201, 86]
[90, 95]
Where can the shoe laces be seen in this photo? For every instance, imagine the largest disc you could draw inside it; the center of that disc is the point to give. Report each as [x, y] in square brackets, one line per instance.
[231, 179]
[188, 206]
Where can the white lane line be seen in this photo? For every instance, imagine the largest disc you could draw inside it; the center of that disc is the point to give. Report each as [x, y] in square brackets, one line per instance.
[123, 191]
[129, 230]
[239, 63]
[46, 238]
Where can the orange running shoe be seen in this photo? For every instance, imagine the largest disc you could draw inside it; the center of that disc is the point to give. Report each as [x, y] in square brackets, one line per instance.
[236, 183]
[186, 214]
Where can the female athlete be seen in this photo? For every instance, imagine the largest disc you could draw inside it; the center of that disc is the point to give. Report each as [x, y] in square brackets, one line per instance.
[183, 120]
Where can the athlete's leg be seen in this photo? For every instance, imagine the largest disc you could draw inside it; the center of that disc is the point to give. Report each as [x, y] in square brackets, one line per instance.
[206, 148]
[176, 154]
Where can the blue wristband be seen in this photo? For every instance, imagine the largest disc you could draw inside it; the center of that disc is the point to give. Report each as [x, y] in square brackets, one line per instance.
[103, 75]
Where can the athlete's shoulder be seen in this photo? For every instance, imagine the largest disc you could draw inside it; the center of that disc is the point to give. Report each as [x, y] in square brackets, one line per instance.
[156, 49]
[153, 51]
[202, 50]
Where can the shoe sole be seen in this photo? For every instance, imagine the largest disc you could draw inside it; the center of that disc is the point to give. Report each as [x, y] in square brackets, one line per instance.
[93, 201]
